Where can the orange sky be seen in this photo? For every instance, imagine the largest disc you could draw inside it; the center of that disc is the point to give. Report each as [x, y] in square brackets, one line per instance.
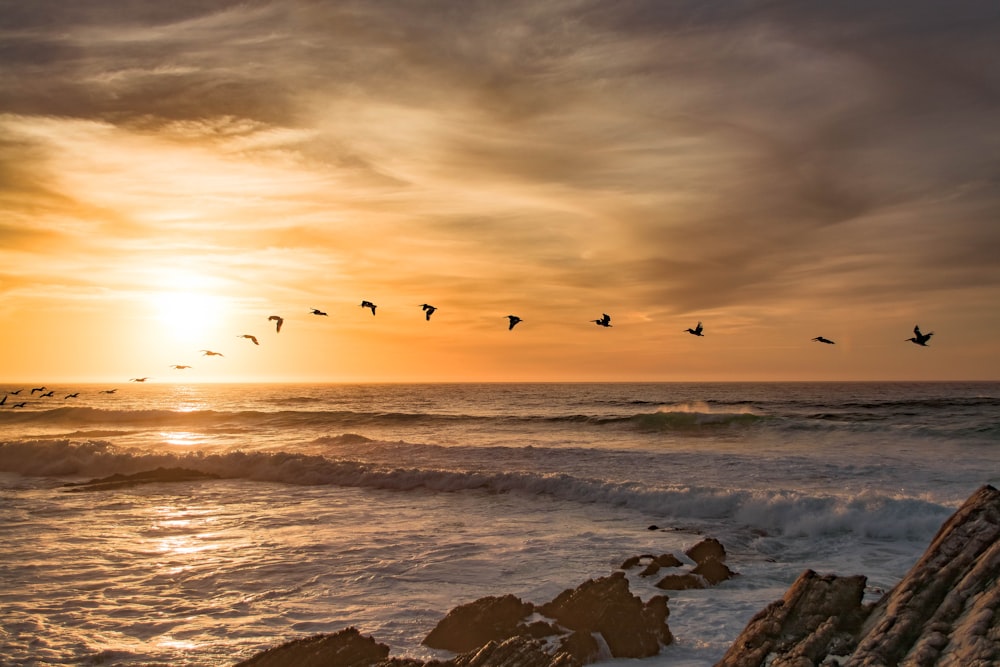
[170, 176]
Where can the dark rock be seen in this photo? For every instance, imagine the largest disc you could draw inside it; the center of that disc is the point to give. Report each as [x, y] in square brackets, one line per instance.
[680, 582]
[630, 628]
[668, 560]
[346, 648]
[512, 652]
[714, 572]
[706, 549]
[650, 569]
[630, 562]
[582, 646]
[472, 625]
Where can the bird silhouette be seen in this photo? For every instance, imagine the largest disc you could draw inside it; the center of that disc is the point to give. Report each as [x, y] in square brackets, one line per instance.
[19, 405]
[697, 331]
[4, 399]
[143, 379]
[920, 338]
[605, 321]
[428, 310]
[820, 339]
[278, 321]
[369, 304]
[47, 394]
[514, 320]
[108, 391]
[249, 337]
[316, 311]
[15, 393]
[210, 353]
[37, 389]
[75, 395]
[179, 367]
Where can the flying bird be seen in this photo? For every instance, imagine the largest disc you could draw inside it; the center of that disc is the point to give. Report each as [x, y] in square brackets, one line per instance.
[179, 367]
[697, 331]
[920, 338]
[428, 310]
[19, 405]
[820, 339]
[46, 394]
[315, 311]
[139, 379]
[210, 353]
[108, 391]
[76, 395]
[605, 321]
[369, 304]
[37, 389]
[15, 393]
[514, 319]
[249, 337]
[278, 321]
[4, 400]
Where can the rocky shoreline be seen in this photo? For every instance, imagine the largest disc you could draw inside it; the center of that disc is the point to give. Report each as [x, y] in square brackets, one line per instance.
[944, 612]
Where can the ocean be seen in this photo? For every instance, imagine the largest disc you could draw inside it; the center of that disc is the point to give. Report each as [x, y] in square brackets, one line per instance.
[383, 506]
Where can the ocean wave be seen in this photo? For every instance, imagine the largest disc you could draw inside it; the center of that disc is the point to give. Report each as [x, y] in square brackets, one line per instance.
[767, 512]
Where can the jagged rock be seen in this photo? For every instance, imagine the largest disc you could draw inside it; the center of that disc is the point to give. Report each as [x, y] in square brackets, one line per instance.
[707, 549]
[630, 628]
[512, 652]
[668, 560]
[680, 582]
[472, 625]
[946, 610]
[944, 613]
[650, 569]
[582, 646]
[630, 562]
[714, 571]
[788, 625]
[346, 648]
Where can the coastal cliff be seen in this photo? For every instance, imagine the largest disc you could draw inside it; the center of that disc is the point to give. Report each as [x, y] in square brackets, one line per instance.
[944, 612]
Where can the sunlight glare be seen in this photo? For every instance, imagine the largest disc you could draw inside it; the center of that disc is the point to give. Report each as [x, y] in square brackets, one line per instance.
[188, 310]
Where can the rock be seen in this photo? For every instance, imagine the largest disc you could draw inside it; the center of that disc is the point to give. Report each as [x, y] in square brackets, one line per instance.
[706, 549]
[630, 628]
[714, 572]
[680, 582]
[630, 562]
[786, 627]
[650, 569]
[944, 613]
[346, 648]
[472, 625]
[668, 560]
[582, 646]
[512, 652]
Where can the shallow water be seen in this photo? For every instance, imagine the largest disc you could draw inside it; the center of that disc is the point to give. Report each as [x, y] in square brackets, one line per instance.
[384, 506]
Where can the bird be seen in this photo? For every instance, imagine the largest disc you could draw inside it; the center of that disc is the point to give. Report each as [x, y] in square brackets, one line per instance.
[249, 337]
[109, 391]
[19, 405]
[210, 353]
[143, 379]
[74, 395]
[820, 339]
[179, 367]
[278, 321]
[37, 389]
[4, 400]
[605, 321]
[369, 304]
[47, 394]
[428, 310]
[920, 338]
[697, 331]
[15, 393]
[315, 311]
[514, 320]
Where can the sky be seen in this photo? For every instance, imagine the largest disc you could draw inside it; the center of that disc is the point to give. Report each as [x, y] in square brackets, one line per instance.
[173, 173]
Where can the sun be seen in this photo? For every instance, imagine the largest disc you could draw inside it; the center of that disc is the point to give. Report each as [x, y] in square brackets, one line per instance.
[189, 311]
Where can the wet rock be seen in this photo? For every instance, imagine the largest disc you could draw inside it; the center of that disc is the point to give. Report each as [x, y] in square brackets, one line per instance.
[713, 571]
[629, 627]
[944, 613]
[668, 560]
[346, 648]
[680, 582]
[709, 548]
[472, 625]
[512, 652]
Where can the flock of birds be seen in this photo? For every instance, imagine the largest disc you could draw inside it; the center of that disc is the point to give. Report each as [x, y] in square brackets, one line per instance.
[919, 338]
